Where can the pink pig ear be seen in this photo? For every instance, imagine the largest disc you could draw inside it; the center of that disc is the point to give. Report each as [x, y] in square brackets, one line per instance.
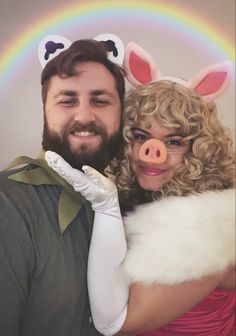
[212, 81]
[139, 65]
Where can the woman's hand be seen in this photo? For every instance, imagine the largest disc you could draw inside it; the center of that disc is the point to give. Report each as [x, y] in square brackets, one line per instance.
[95, 187]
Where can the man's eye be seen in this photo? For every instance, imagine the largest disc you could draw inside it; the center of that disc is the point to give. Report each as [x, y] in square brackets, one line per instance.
[100, 102]
[67, 102]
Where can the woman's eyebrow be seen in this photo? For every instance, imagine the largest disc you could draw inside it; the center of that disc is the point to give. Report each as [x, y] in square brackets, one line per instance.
[139, 129]
[173, 135]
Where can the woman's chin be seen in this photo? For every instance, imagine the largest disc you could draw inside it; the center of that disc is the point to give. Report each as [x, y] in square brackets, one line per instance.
[150, 185]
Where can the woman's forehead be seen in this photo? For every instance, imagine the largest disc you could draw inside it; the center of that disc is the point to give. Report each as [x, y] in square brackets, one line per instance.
[154, 126]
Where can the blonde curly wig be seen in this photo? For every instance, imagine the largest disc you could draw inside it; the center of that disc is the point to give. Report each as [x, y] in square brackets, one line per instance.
[210, 162]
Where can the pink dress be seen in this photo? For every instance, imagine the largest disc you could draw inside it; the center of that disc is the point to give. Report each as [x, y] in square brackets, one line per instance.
[214, 316]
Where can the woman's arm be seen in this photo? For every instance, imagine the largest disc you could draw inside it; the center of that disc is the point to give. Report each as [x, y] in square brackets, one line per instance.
[148, 307]
[108, 288]
[229, 281]
[151, 307]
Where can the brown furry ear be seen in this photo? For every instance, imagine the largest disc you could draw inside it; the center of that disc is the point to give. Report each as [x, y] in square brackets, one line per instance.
[51, 46]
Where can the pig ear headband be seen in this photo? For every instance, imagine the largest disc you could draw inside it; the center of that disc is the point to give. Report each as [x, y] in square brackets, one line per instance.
[53, 45]
[210, 83]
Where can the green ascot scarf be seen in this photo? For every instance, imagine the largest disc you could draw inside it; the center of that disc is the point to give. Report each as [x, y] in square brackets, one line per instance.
[70, 202]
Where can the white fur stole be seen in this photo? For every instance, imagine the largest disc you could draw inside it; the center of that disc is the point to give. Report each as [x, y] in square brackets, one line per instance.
[181, 238]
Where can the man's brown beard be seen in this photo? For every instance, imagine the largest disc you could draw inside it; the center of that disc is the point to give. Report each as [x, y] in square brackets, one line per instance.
[97, 158]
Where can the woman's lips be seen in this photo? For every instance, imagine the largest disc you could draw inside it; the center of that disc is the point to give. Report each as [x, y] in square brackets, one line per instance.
[151, 171]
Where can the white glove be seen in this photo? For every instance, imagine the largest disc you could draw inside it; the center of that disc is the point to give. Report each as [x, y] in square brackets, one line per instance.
[95, 187]
[108, 290]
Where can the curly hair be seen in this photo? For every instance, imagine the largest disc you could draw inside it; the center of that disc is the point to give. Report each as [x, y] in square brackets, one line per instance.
[209, 164]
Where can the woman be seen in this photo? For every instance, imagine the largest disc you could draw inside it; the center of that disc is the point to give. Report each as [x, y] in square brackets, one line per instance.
[177, 168]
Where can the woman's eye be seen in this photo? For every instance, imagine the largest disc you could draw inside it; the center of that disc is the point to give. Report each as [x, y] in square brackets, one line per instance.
[174, 142]
[141, 137]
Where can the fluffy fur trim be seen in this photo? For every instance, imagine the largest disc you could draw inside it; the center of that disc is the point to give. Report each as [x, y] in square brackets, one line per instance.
[181, 238]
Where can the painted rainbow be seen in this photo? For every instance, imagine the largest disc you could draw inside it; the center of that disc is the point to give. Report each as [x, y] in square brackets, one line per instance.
[77, 14]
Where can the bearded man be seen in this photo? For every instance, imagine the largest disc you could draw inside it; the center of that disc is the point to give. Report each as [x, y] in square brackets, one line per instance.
[45, 227]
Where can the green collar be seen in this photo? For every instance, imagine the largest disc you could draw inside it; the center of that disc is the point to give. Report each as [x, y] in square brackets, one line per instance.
[70, 202]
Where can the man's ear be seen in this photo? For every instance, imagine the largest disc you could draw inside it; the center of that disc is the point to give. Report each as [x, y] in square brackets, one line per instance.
[51, 46]
[139, 65]
[212, 81]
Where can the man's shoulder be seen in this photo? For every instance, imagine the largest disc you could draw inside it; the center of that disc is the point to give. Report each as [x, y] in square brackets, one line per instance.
[26, 198]
[12, 192]
[5, 180]
[13, 187]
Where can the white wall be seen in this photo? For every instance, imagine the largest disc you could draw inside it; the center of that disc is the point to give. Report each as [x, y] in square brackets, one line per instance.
[21, 117]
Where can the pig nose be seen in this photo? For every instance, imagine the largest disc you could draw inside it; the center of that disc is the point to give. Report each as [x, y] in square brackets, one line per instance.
[153, 151]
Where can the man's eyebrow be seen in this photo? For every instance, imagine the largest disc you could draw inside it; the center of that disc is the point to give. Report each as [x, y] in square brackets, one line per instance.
[69, 93]
[101, 92]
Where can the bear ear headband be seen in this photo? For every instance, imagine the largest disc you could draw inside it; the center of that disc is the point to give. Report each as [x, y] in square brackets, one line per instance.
[210, 83]
[50, 47]
[53, 45]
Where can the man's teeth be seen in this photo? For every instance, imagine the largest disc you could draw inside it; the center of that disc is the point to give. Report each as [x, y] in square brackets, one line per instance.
[84, 133]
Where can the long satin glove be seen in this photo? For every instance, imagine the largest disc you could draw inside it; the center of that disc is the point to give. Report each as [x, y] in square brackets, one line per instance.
[108, 290]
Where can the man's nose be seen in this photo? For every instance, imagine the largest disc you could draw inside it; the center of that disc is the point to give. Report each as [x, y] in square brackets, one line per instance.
[84, 113]
[153, 151]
